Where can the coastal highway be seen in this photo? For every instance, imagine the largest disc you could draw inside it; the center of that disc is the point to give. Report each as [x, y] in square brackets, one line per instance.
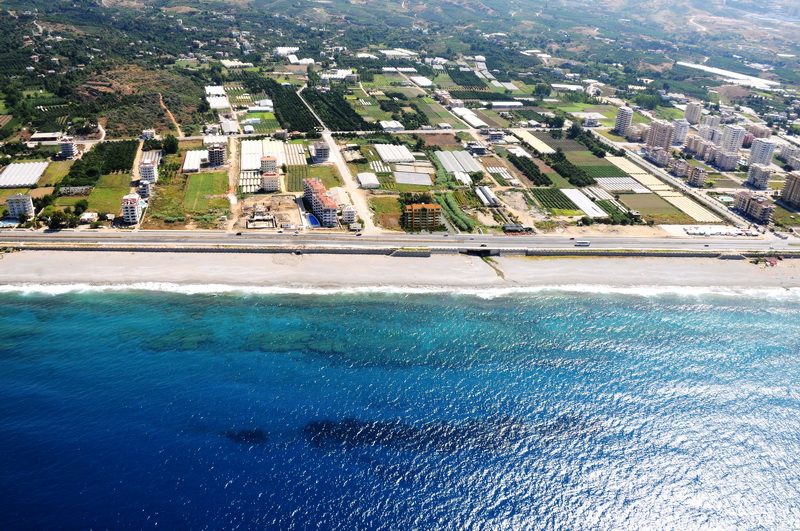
[211, 239]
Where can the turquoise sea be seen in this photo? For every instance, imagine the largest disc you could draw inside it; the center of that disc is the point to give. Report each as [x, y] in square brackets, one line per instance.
[611, 409]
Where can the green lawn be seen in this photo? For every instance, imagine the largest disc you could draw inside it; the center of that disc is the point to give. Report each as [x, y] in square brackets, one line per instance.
[55, 172]
[108, 193]
[328, 174]
[205, 184]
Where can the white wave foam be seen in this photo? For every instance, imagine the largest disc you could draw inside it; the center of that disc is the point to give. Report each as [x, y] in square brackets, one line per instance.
[483, 293]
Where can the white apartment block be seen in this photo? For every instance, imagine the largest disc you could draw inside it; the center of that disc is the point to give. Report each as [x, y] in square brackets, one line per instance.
[761, 151]
[19, 204]
[732, 138]
[132, 208]
[148, 171]
[68, 148]
[624, 120]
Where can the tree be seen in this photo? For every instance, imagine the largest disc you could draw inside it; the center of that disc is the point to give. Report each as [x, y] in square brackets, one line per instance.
[170, 144]
[542, 90]
[58, 220]
[81, 207]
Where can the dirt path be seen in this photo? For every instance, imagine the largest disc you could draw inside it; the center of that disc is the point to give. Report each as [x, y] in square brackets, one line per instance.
[233, 181]
[136, 161]
[171, 116]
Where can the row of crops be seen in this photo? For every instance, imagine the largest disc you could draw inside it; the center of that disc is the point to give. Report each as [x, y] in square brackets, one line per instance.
[530, 169]
[553, 199]
[454, 214]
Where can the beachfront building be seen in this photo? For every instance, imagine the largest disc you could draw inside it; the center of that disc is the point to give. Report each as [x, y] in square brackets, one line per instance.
[758, 176]
[756, 207]
[761, 151]
[624, 120]
[349, 215]
[693, 112]
[20, 205]
[68, 148]
[322, 204]
[661, 134]
[790, 194]
[132, 208]
[697, 177]
[422, 216]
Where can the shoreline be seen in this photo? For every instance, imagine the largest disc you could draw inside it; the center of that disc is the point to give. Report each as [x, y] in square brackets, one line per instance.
[58, 272]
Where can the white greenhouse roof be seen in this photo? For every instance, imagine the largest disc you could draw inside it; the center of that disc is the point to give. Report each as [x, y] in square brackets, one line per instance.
[22, 175]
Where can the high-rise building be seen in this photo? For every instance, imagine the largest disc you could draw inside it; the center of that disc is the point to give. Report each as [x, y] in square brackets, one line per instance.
[681, 131]
[216, 155]
[711, 120]
[693, 112]
[732, 138]
[68, 148]
[760, 130]
[754, 206]
[322, 204]
[697, 177]
[19, 204]
[790, 193]
[758, 175]
[624, 120]
[761, 151]
[660, 135]
[132, 208]
[726, 160]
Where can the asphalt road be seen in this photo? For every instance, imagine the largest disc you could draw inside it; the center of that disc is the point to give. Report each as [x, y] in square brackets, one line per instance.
[333, 240]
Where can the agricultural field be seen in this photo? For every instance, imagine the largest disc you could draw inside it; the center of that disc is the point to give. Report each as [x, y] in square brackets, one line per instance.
[656, 209]
[202, 185]
[269, 124]
[564, 143]
[555, 201]
[437, 114]
[594, 166]
[108, 193]
[55, 172]
[387, 212]
[6, 192]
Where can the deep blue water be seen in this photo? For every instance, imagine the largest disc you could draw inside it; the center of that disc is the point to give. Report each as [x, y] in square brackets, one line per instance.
[134, 410]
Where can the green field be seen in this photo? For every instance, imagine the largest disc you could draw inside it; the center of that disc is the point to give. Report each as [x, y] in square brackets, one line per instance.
[328, 174]
[108, 193]
[206, 184]
[55, 172]
[269, 124]
[6, 192]
[655, 208]
[387, 212]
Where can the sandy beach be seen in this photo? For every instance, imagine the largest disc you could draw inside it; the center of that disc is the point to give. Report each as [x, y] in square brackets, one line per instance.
[333, 271]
